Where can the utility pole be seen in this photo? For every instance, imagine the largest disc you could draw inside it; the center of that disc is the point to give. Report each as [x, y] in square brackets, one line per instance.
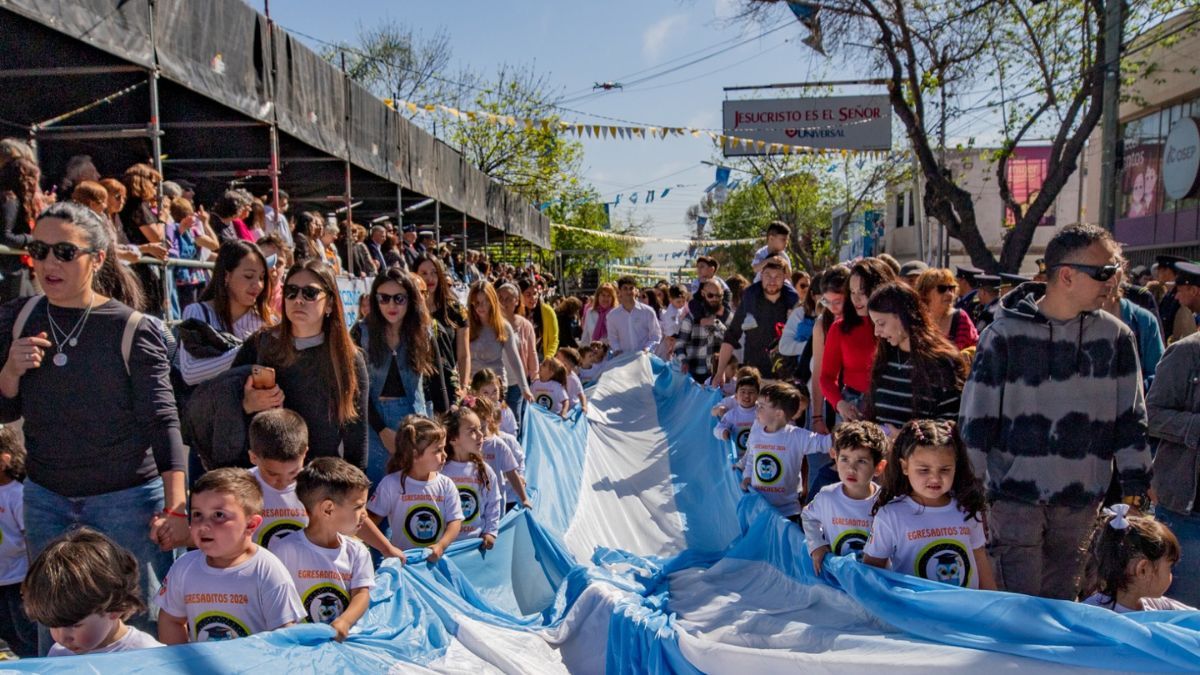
[1114, 23]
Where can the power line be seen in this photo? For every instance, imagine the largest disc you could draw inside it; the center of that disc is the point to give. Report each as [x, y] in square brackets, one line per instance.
[674, 59]
[687, 64]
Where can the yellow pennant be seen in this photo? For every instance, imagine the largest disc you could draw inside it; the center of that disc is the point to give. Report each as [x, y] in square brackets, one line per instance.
[412, 107]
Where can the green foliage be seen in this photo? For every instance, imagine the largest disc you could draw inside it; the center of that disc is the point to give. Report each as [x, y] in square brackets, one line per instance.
[584, 209]
[800, 191]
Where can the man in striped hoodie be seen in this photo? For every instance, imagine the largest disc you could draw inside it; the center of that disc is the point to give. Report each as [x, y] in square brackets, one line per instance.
[1055, 394]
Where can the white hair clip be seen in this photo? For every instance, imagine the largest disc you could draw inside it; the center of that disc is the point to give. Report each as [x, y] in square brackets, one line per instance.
[1118, 513]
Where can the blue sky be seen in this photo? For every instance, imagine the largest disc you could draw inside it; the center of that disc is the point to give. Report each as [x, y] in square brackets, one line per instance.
[579, 43]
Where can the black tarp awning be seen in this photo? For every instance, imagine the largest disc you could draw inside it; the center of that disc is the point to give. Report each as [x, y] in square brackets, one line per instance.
[226, 77]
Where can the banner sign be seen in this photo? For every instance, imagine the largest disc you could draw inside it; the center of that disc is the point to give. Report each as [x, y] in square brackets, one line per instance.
[838, 122]
[1181, 159]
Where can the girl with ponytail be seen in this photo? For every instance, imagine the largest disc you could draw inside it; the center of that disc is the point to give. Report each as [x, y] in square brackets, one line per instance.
[1129, 563]
[421, 503]
[478, 488]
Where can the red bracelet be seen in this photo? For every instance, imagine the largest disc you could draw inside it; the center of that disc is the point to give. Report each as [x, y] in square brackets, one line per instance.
[177, 514]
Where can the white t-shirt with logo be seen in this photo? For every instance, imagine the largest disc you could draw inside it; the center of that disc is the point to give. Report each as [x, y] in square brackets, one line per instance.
[508, 421]
[574, 389]
[324, 577]
[518, 457]
[773, 462]
[481, 506]
[417, 510]
[1148, 604]
[222, 604]
[498, 454]
[550, 395]
[737, 421]
[836, 520]
[282, 512]
[14, 561]
[133, 639]
[931, 542]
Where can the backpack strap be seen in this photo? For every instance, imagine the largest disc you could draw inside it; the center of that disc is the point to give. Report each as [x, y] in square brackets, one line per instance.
[131, 325]
[23, 315]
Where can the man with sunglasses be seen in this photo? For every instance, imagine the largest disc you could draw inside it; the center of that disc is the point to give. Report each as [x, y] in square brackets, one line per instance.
[1174, 410]
[700, 332]
[1054, 397]
[1178, 322]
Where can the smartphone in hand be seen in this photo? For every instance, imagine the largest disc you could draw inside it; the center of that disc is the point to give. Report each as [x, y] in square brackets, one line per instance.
[262, 377]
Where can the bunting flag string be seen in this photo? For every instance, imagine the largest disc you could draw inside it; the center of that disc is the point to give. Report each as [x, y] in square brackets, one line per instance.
[616, 132]
[658, 240]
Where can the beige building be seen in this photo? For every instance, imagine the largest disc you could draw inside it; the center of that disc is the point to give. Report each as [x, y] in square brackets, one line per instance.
[904, 240]
[1148, 222]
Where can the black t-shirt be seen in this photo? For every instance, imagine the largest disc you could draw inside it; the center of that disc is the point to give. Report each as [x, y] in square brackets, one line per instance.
[90, 427]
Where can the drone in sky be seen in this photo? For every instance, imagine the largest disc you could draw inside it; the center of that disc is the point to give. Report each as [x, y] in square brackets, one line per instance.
[608, 86]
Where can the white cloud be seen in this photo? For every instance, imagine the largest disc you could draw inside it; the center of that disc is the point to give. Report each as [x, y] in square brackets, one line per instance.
[656, 36]
[726, 9]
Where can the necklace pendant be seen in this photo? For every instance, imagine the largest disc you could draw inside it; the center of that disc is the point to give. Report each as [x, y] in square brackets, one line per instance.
[74, 342]
[60, 359]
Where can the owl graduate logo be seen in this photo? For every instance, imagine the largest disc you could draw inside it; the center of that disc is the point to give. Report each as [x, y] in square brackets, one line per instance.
[470, 503]
[324, 603]
[945, 560]
[768, 468]
[215, 626]
[423, 524]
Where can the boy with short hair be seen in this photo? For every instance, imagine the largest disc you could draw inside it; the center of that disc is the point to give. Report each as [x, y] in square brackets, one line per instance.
[278, 447]
[570, 359]
[776, 449]
[777, 240]
[332, 570]
[838, 519]
[229, 587]
[737, 412]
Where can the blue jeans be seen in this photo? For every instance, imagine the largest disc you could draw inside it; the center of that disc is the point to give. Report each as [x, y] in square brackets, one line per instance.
[516, 403]
[392, 410]
[124, 516]
[1186, 526]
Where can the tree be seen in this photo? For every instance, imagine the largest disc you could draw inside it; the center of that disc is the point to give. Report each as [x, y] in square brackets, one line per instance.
[533, 160]
[586, 210]
[801, 191]
[394, 61]
[1042, 61]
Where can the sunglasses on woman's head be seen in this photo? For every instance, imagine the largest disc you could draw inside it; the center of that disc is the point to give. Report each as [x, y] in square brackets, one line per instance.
[397, 299]
[65, 251]
[309, 293]
[1097, 272]
[946, 288]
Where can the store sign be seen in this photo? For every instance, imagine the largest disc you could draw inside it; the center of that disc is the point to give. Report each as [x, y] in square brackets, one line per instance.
[1181, 159]
[838, 122]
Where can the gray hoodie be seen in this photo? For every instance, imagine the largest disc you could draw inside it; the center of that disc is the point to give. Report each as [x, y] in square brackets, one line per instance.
[1049, 404]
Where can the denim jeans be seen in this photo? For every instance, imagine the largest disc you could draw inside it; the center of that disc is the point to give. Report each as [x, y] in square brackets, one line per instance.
[516, 403]
[1186, 526]
[393, 410]
[124, 516]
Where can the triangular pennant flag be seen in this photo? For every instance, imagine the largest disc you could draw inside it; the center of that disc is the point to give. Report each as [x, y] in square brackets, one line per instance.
[389, 102]
[664, 193]
[412, 107]
[649, 196]
[429, 107]
[696, 133]
[579, 130]
[617, 201]
[596, 129]
[809, 15]
[612, 131]
[633, 198]
[453, 112]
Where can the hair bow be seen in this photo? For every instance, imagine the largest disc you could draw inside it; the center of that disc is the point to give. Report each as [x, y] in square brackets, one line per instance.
[1119, 513]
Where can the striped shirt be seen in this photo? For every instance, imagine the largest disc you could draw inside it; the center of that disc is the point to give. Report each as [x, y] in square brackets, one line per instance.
[197, 370]
[893, 398]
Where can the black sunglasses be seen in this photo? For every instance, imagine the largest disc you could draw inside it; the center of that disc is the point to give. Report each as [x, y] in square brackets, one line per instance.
[65, 251]
[398, 299]
[943, 288]
[1097, 272]
[309, 293]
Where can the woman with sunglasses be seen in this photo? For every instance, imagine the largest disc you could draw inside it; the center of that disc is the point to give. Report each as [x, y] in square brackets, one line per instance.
[319, 373]
[449, 333]
[918, 373]
[938, 289]
[494, 346]
[101, 428]
[397, 339]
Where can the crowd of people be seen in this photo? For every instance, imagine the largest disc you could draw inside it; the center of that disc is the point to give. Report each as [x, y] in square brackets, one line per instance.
[954, 425]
